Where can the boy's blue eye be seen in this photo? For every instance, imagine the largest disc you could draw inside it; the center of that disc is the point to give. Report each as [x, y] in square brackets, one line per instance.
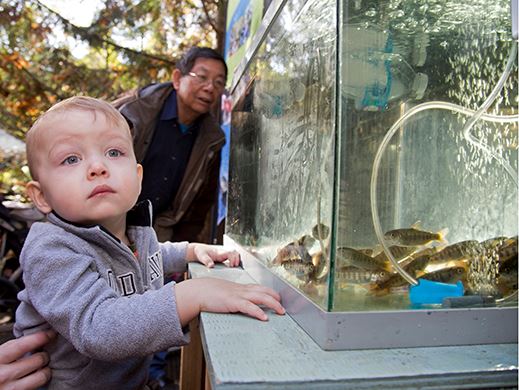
[71, 160]
[114, 153]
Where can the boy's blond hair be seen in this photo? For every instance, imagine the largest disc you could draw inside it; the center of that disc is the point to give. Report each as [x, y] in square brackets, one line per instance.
[81, 103]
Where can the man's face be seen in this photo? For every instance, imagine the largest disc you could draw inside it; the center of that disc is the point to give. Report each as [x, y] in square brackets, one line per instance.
[200, 89]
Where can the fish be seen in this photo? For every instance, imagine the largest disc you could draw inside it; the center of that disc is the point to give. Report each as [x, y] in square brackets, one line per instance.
[494, 242]
[460, 250]
[320, 231]
[354, 275]
[505, 248]
[368, 251]
[398, 252]
[418, 261]
[351, 257]
[386, 284]
[321, 266]
[414, 236]
[292, 252]
[508, 265]
[301, 270]
[507, 282]
[449, 274]
[507, 252]
[296, 258]
[307, 241]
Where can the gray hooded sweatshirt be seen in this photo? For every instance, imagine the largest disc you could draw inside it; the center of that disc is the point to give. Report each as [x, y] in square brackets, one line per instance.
[109, 305]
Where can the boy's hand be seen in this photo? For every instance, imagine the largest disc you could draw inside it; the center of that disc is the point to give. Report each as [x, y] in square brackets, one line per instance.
[221, 296]
[209, 254]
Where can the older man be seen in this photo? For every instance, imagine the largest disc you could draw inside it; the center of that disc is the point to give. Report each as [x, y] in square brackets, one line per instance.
[178, 142]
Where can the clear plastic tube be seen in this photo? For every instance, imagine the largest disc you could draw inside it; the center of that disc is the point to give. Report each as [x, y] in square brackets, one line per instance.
[475, 115]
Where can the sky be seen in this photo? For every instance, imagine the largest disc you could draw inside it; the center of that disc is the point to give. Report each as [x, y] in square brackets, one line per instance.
[79, 12]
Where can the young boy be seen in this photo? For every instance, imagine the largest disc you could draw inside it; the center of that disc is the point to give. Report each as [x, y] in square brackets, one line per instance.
[94, 271]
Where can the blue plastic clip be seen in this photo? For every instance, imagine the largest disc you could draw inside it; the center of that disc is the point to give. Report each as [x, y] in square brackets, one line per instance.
[428, 292]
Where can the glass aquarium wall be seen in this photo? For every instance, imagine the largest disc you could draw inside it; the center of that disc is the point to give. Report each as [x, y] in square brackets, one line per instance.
[374, 144]
[428, 150]
[281, 174]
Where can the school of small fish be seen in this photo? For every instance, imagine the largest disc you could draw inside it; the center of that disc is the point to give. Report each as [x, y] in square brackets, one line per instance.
[303, 257]
[487, 267]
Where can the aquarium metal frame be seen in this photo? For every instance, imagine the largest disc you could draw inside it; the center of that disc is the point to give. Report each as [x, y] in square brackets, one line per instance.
[371, 329]
[385, 329]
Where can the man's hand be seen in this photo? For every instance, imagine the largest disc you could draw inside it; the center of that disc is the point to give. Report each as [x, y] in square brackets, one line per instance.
[20, 372]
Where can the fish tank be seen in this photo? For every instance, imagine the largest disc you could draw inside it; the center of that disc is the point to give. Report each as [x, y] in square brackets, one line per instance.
[373, 169]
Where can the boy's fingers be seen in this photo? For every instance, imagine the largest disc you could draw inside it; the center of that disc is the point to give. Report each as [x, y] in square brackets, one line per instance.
[247, 307]
[265, 290]
[232, 256]
[268, 300]
[272, 303]
[234, 259]
[206, 260]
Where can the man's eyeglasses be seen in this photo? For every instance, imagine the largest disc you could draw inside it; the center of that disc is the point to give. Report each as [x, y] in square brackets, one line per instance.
[202, 79]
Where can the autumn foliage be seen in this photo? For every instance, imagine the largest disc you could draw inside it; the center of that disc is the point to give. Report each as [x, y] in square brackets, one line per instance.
[130, 43]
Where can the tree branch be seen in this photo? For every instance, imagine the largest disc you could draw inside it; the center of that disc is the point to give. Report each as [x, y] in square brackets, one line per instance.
[38, 83]
[209, 19]
[87, 34]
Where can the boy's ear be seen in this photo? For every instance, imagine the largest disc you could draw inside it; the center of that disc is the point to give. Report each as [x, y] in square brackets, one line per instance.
[140, 172]
[176, 78]
[35, 192]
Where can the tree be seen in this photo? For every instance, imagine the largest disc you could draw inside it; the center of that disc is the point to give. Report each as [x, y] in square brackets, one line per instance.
[130, 43]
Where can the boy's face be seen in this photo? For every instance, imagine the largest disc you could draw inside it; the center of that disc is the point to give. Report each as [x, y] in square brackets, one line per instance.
[87, 172]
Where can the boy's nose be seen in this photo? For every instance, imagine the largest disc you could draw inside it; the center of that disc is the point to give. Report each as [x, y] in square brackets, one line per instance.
[97, 169]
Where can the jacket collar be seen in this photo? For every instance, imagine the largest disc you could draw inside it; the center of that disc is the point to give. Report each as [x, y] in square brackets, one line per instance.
[169, 110]
[139, 215]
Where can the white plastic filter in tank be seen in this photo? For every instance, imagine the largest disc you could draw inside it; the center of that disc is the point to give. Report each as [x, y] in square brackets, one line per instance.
[374, 73]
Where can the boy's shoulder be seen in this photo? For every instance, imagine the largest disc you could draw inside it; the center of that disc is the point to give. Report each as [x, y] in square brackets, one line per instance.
[55, 233]
[56, 225]
[43, 234]
[45, 230]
